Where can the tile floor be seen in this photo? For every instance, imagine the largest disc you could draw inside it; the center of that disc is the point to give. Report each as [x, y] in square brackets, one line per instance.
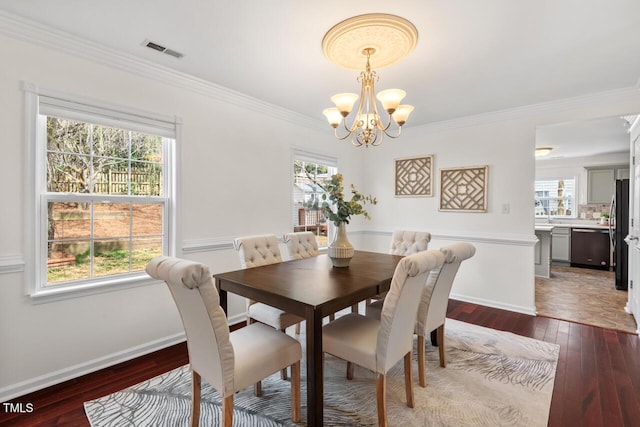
[583, 295]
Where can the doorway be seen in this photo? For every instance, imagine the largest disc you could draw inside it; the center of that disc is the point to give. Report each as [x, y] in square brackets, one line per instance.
[581, 294]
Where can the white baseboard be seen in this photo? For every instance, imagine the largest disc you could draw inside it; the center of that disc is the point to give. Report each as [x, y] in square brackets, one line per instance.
[494, 304]
[57, 377]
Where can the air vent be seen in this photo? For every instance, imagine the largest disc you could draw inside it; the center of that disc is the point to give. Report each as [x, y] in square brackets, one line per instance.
[160, 48]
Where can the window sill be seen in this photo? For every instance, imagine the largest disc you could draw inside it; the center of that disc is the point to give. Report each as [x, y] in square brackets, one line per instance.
[60, 293]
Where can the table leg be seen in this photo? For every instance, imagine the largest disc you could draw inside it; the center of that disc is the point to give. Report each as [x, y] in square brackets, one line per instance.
[223, 297]
[315, 374]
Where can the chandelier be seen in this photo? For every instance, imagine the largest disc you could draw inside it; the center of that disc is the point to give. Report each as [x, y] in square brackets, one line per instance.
[388, 37]
[367, 127]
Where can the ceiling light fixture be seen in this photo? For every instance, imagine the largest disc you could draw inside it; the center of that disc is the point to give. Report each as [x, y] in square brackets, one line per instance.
[388, 37]
[543, 151]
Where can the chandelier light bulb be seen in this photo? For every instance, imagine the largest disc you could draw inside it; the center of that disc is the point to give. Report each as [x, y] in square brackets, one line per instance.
[344, 102]
[391, 99]
[402, 114]
[333, 115]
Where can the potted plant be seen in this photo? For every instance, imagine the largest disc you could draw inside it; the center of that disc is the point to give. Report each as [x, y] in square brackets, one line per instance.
[339, 211]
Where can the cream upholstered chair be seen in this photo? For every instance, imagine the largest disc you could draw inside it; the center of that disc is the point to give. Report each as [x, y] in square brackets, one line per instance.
[228, 361]
[433, 307]
[255, 251]
[302, 244]
[379, 344]
[405, 242]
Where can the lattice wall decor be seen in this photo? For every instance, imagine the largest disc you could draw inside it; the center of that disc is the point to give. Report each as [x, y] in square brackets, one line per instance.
[414, 177]
[464, 189]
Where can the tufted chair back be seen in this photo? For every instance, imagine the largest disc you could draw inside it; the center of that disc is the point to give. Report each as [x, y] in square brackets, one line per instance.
[255, 251]
[301, 245]
[433, 307]
[211, 353]
[409, 242]
[398, 316]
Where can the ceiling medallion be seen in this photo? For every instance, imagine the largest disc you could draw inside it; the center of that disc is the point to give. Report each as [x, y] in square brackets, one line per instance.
[392, 37]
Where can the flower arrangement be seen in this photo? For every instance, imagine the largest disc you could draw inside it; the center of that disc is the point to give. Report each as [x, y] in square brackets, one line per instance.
[334, 191]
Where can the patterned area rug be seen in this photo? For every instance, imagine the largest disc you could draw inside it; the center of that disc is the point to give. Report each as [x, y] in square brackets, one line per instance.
[492, 378]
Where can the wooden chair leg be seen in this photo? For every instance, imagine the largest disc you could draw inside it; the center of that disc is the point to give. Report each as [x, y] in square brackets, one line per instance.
[350, 368]
[257, 389]
[298, 328]
[381, 392]
[227, 411]
[295, 392]
[422, 368]
[443, 361]
[196, 391]
[354, 308]
[283, 373]
[408, 381]
[332, 317]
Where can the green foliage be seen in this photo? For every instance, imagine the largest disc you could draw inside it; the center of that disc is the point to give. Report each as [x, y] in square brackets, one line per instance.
[344, 209]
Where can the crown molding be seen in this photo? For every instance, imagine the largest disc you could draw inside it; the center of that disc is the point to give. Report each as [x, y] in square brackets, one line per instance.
[550, 107]
[33, 32]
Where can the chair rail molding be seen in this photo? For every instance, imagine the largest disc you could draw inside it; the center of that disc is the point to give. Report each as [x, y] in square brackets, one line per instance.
[494, 238]
[11, 264]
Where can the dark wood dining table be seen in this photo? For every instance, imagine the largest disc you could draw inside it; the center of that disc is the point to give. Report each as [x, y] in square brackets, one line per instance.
[312, 288]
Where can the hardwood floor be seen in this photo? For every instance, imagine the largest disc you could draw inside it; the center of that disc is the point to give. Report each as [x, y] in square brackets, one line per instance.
[597, 380]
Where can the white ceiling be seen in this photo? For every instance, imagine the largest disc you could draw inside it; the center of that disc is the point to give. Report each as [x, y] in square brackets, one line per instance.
[472, 57]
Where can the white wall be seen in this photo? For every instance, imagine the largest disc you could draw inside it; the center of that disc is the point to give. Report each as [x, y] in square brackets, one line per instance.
[226, 191]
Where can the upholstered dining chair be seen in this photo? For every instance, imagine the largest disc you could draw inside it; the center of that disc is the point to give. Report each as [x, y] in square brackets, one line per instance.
[379, 344]
[302, 244]
[228, 361]
[432, 310]
[404, 242]
[255, 251]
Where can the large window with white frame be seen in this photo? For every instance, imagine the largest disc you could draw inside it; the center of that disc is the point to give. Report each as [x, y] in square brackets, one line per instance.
[309, 170]
[102, 193]
[556, 198]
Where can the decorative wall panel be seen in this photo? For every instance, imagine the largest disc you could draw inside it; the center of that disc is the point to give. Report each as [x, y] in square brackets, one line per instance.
[464, 189]
[414, 177]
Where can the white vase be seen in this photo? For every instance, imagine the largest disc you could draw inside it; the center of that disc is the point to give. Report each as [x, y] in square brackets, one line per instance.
[341, 250]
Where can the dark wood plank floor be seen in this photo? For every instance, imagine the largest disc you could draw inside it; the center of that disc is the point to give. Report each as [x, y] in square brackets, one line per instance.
[597, 381]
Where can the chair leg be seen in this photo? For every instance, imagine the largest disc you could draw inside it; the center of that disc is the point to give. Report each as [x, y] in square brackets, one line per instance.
[408, 381]
[350, 368]
[196, 390]
[354, 308]
[381, 392]
[422, 368]
[443, 361]
[332, 317]
[227, 411]
[283, 373]
[257, 389]
[298, 328]
[295, 392]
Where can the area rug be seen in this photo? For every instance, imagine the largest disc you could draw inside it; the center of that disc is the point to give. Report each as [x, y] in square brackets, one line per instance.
[492, 378]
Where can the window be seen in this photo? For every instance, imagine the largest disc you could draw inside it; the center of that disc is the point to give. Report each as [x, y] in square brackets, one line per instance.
[103, 194]
[309, 169]
[555, 198]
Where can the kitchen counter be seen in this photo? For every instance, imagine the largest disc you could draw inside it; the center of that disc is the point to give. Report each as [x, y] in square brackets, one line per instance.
[543, 250]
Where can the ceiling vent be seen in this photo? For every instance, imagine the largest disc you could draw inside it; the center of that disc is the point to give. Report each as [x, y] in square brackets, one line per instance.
[160, 48]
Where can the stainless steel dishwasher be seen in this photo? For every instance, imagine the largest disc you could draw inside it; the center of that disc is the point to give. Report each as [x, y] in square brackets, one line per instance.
[590, 248]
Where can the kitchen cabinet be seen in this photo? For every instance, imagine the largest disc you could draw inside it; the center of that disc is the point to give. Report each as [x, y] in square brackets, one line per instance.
[590, 248]
[561, 244]
[600, 184]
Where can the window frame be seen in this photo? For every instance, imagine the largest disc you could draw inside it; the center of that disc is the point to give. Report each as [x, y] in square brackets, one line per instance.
[301, 154]
[573, 198]
[42, 102]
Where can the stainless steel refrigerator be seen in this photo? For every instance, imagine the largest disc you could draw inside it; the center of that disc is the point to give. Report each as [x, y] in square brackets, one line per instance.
[618, 230]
